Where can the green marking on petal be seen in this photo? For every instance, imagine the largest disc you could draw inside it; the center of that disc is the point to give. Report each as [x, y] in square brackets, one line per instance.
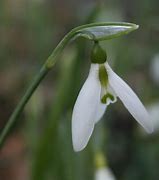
[103, 76]
[106, 97]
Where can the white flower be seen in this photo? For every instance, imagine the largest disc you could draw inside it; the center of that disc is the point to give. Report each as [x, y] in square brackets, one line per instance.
[104, 173]
[101, 88]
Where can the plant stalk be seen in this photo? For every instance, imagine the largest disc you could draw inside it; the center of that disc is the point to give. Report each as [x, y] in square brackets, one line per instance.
[44, 70]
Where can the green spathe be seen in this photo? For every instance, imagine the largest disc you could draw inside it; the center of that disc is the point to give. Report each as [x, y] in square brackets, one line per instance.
[94, 32]
[104, 31]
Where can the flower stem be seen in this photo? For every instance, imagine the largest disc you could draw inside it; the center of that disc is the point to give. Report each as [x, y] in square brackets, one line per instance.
[23, 102]
[44, 70]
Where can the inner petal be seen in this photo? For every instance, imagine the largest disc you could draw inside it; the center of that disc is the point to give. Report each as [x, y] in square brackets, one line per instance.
[107, 95]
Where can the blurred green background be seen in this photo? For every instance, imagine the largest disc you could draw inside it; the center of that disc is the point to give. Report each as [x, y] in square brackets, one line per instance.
[39, 146]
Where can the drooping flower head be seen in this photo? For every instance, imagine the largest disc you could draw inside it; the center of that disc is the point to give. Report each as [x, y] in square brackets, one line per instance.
[101, 88]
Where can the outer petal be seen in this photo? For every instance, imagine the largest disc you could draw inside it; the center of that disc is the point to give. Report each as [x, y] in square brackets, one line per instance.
[129, 99]
[101, 108]
[86, 110]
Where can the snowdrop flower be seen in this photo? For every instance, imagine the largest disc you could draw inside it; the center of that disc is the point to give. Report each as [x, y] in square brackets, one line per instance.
[101, 88]
[104, 174]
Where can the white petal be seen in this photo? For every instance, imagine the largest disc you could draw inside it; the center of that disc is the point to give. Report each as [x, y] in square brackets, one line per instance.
[101, 108]
[129, 99]
[86, 110]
